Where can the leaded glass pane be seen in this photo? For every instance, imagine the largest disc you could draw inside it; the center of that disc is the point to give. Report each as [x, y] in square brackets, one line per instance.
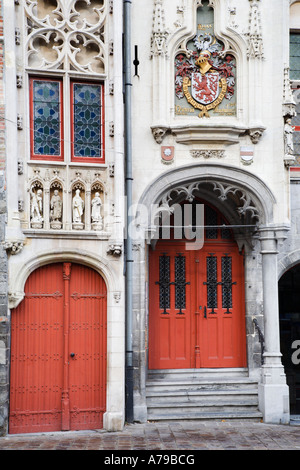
[87, 120]
[295, 56]
[46, 118]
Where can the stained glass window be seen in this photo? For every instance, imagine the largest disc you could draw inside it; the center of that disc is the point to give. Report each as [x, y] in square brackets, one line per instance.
[46, 118]
[295, 56]
[87, 119]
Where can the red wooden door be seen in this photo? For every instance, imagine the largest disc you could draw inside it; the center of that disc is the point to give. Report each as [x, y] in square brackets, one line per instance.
[219, 307]
[171, 321]
[58, 351]
[196, 308]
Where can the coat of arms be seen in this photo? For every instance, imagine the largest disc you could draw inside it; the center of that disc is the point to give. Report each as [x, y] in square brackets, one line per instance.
[204, 75]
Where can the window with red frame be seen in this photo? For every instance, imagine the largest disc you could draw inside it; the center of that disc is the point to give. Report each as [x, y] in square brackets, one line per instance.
[46, 119]
[86, 120]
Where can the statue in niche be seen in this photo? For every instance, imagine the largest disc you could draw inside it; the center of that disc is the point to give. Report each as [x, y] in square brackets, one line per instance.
[36, 207]
[288, 137]
[97, 223]
[78, 208]
[56, 210]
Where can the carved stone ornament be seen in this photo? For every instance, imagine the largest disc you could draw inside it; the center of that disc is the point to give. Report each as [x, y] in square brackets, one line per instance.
[208, 153]
[66, 34]
[255, 134]
[289, 104]
[255, 48]
[188, 193]
[115, 248]
[159, 31]
[13, 247]
[159, 133]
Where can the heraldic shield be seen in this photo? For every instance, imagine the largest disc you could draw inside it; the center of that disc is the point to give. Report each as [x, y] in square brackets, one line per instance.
[205, 89]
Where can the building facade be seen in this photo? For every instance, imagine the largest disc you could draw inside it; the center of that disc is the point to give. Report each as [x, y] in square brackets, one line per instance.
[64, 233]
[151, 212]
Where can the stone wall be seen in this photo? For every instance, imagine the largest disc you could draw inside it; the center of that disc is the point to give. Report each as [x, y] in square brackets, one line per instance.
[3, 257]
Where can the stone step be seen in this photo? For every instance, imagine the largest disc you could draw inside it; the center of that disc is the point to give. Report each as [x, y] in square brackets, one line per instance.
[202, 394]
[161, 386]
[181, 374]
[248, 397]
[208, 415]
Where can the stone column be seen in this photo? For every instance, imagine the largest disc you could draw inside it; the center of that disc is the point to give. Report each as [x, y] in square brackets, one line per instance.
[273, 390]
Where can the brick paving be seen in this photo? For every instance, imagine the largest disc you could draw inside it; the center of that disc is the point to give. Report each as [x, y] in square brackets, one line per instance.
[188, 436]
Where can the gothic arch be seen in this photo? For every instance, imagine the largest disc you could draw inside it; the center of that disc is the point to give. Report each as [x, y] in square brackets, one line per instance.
[287, 262]
[252, 195]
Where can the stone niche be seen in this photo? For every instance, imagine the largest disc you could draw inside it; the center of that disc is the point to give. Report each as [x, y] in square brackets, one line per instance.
[36, 205]
[78, 206]
[56, 206]
[97, 206]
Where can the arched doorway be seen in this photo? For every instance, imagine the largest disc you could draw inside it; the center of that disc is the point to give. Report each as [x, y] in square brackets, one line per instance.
[58, 351]
[197, 306]
[289, 311]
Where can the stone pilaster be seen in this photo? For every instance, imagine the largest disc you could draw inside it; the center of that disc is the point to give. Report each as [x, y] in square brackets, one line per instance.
[273, 390]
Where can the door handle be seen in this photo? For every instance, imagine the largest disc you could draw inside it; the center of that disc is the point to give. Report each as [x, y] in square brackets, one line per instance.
[205, 316]
[72, 354]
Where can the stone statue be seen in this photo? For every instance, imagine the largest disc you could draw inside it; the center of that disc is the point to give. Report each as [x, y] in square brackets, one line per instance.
[96, 207]
[78, 207]
[56, 206]
[36, 206]
[97, 223]
[288, 138]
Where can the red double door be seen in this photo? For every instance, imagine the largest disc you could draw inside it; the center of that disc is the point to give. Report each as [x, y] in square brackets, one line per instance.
[197, 313]
[58, 351]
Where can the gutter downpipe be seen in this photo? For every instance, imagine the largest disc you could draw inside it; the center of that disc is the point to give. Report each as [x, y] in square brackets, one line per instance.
[128, 186]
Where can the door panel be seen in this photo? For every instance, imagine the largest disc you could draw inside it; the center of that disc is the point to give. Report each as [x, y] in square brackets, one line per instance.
[199, 295]
[170, 330]
[88, 344]
[64, 312]
[37, 354]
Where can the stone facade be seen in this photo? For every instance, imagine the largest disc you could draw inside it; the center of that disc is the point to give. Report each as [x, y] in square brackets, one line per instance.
[239, 143]
[4, 325]
[65, 41]
[234, 151]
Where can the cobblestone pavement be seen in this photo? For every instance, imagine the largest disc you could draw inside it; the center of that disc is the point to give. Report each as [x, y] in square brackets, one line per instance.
[189, 436]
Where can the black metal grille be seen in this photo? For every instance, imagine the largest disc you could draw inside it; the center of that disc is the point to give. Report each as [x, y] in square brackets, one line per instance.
[164, 283]
[180, 283]
[227, 283]
[211, 273]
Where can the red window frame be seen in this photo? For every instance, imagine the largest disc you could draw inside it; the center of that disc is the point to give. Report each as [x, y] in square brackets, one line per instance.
[101, 158]
[34, 156]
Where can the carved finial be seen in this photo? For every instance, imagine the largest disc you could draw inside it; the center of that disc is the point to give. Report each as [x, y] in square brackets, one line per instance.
[255, 42]
[159, 33]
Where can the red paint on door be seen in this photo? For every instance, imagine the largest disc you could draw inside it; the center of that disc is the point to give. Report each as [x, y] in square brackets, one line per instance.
[58, 351]
[206, 326]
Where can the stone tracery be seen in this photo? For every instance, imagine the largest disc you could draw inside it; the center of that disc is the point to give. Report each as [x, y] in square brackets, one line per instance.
[70, 36]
